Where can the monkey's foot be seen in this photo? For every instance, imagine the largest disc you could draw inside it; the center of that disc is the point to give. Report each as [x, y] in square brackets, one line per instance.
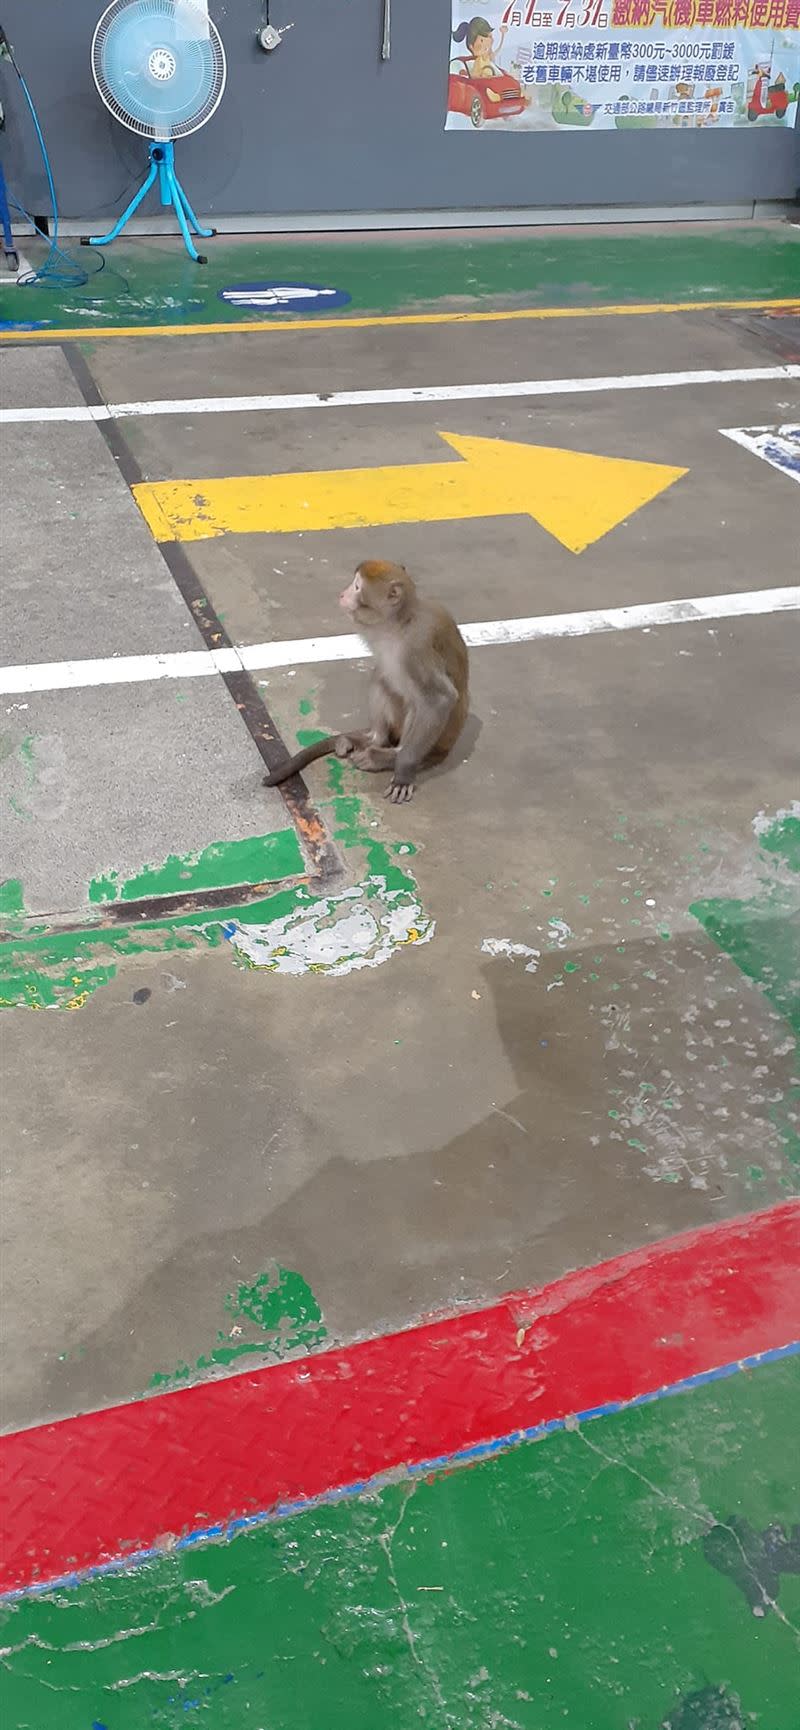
[400, 791]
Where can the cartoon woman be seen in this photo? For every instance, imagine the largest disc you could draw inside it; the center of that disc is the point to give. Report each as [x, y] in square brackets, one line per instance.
[478, 36]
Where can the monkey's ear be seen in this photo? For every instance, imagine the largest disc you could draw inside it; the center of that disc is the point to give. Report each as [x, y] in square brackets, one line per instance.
[394, 591]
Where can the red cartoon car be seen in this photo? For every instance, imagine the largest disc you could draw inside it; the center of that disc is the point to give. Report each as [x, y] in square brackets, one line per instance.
[483, 98]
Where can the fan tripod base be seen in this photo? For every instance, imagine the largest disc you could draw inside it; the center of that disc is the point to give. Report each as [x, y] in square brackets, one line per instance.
[162, 168]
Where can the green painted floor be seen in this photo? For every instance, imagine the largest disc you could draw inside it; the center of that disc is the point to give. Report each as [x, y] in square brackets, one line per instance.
[637, 1572]
[147, 282]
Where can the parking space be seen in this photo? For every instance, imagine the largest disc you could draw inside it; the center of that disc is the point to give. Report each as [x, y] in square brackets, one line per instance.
[107, 783]
[511, 1117]
[419, 349]
[343, 1085]
[498, 564]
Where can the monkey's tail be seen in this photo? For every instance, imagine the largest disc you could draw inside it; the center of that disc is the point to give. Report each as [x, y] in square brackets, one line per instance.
[296, 765]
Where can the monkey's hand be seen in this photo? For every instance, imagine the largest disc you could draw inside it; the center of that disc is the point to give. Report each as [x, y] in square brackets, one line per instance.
[348, 743]
[401, 788]
[374, 758]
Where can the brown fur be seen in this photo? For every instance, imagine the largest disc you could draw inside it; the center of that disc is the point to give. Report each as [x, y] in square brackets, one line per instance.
[419, 695]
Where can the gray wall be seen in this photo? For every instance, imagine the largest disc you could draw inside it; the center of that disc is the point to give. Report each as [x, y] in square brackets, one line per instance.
[321, 125]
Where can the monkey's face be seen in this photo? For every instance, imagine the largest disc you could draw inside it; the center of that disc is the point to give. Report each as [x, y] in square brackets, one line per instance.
[368, 599]
[352, 598]
[380, 593]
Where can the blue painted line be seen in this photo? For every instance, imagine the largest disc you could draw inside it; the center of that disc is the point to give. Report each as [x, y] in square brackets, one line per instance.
[782, 455]
[440, 1463]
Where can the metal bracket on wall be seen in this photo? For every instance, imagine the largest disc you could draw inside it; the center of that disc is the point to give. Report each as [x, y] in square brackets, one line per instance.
[269, 36]
[386, 44]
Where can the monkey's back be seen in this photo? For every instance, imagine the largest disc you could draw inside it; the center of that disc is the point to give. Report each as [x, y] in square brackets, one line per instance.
[449, 646]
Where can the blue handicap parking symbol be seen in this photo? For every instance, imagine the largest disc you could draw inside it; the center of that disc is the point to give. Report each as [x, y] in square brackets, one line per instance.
[283, 296]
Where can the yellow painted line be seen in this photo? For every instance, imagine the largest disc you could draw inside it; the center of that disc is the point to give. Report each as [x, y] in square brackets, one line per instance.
[576, 496]
[92, 333]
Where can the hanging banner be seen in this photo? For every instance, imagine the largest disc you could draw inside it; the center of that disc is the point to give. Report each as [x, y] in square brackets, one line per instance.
[624, 65]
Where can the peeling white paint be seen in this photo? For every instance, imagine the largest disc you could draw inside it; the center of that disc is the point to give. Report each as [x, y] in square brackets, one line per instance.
[504, 946]
[561, 932]
[765, 820]
[361, 927]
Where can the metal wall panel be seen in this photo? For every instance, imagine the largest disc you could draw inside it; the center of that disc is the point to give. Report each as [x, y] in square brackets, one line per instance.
[321, 125]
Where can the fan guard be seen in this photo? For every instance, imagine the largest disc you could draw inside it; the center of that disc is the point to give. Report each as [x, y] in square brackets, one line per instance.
[159, 66]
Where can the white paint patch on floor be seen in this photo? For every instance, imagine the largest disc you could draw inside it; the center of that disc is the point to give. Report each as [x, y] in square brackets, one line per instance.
[779, 446]
[261, 657]
[766, 820]
[530, 387]
[503, 946]
[360, 927]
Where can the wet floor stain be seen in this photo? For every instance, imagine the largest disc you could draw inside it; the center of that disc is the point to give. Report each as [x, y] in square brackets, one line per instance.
[755, 1561]
[706, 1709]
[698, 1073]
[761, 934]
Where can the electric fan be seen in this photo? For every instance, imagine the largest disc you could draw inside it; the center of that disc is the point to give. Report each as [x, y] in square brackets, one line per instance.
[159, 67]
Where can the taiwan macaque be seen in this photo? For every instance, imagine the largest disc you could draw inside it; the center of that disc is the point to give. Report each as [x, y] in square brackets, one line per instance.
[419, 694]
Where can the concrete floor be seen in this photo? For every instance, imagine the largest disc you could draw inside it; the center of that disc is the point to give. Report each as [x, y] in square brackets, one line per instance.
[450, 1125]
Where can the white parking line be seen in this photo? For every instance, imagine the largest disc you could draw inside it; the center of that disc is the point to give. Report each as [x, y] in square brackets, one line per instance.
[374, 398]
[261, 657]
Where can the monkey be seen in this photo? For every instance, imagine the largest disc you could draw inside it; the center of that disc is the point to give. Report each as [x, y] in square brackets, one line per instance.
[419, 693]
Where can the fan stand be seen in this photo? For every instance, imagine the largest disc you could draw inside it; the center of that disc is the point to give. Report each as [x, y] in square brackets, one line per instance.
[162, 167]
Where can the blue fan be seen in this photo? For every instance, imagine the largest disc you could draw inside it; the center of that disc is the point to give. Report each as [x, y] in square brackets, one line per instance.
[159, 67]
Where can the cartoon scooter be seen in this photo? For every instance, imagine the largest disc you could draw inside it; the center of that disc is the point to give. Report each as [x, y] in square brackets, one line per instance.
[771, 98]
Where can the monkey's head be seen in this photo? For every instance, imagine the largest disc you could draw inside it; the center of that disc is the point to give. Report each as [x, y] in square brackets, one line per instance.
[380, 593]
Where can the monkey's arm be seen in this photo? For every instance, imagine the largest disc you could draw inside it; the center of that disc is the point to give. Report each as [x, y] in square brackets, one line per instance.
[424, 725]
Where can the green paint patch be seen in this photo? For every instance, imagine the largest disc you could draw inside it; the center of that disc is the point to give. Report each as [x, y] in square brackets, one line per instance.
[27, 752]
[604, 1577]
[27, 777]
[11, 902]
[781, 839]
[154, 283]
[356, 927]
[784, 1116]
[287, 931]
[762, 934]
[224, 865]
[274, 1317]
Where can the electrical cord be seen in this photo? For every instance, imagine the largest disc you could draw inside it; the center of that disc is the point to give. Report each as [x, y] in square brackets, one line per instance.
[59, 269]
[69, 275]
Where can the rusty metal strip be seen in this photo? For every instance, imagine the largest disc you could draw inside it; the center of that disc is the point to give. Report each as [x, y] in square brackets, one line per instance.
[324, 861]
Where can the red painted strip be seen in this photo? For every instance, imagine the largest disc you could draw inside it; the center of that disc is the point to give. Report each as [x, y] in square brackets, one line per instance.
[87, 1489]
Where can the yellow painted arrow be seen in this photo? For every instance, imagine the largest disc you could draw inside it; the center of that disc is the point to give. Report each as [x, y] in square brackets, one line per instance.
[575, 496]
